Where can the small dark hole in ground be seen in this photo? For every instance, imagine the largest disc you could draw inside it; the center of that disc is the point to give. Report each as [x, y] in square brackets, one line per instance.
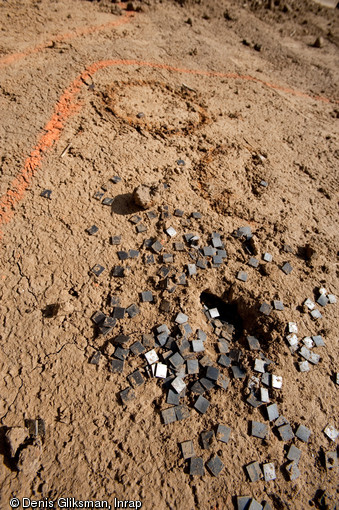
[51, 310]
[228, 311]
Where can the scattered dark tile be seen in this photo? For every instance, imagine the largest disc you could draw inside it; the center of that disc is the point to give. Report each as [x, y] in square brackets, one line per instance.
[223, 382]
[121, 353]
[98, 317]
[157, 247]
[187, 449]
[148, 341]
[223, 346]
[95, 358]
[137, 348]
[254, 472]
[107, 201]
[118, 312]
[115, 240]
[179, 213]
[114, 300]
[181, 279]
[133, 254]
[217, 260]
[209, 251]
[132, 311]
[182, 412]
[254, 400]
[267, 257]
[287, 268]
[254, 505]
[215, 465]
[281, 421]
[331, 460]
[286, 432]
[147, 243]
[253, 343]
[294, 453]
[121, 339]
[46, 193]
[92, 230]
[118, 271]
[206, 438]
[117, 366]
[173, 398]
[253, 262]
[223, 433]
[242, 276]
[165, 306]
[179, 246]
[206, 362]
[265, 308]
[135, 219]
[105, 330]
[201, 263]
[222, 254]
[197, 388]
[318, 341]
[322, 300]
[272, 412]
[151, 215]
[192, 366]
[136, 379]
[278, 305]
[164, 271]
[196, 215]
[169, 416]
[98, 195]
[97, 269]
[207, 383]
[266, 379]
[259, 429]
[238, 372]
[149, 259]
[140, 228]
[167, 258]
[115, 179]
[197, 466]
[303, 433]
[243, 502]
[212, 373]
[293, 471]
[201, 404]
[127, 395]
[176, 360]
[147, 296]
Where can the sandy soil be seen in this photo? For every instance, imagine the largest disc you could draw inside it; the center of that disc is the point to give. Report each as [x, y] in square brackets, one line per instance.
[241, 95]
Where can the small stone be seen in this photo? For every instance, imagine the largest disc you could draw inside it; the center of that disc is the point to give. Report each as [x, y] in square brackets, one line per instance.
[187, 449]
[181, 318]
[303, 433]
[115, 240]
[46, 193]
[135, 219]
[269, 472]
[254, 472]
[197, 466]
[143, 197]
[215, 465]
[179, 213]
[115, 179]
